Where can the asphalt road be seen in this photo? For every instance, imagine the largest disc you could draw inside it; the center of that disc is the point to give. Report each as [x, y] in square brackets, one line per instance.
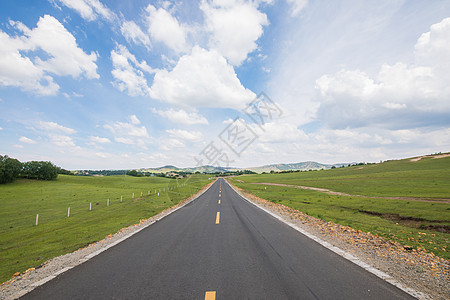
[227, 250]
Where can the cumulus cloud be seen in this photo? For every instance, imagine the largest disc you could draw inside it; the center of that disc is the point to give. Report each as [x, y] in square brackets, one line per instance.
[181, 116]
[99, 140]
[201, 79]
[280, 132]
[89, 9]
[62, 140]
[401, 95]
[26, 140]
[128, 72]
[129, 133]
[133, 33]
[63, 57]
[165, 28]
[235, 26]
[55, 127]
[192, 136]
[169, 144]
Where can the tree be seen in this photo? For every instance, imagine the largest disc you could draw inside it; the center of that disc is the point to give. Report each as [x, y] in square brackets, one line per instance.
[9, 169]
[132, 173]
[44, 170]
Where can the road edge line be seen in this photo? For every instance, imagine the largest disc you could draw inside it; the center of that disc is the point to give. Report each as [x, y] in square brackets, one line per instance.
[380, 274]
[93, 254]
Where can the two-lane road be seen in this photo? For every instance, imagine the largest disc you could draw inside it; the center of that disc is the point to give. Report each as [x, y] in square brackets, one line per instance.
[218, 246]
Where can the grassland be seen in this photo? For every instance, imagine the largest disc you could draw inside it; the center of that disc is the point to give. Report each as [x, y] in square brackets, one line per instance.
[24, 245]
[410, 221]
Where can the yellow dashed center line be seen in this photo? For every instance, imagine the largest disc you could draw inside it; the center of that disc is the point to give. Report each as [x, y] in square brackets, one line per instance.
[218, 217]
[210, 295]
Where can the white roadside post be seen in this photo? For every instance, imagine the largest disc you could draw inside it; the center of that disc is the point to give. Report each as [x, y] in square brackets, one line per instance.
[37, 219]
[133, 196]
[68, 212]
[158, 194]
[90, 206]
[141, 194]
[107, 202]
[120, 198]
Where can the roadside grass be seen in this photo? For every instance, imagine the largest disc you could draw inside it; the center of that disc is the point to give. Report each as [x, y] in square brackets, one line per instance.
[24, 245]
[413, 223]
[428, 178]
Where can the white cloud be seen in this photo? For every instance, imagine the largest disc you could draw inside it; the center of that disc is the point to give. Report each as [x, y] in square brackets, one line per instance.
[99, 140]
[401, 95]
[63, 57]
[165, 28]
[201, 79]
[280, 132]
[55, 127]
[132, 32]
[66, 58]
[89, 9]
[26, 140]
[62, 140]
[297, 6]
[192, 136]
[169, 144]
[235, 27]
[129, 132]
[128, 72]
[19, 71]
[181, 117]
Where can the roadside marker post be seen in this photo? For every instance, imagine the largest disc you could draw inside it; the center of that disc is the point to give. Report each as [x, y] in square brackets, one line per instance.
[141, 194]
[107, 202]
[90, 206]
[68, 212]
[158, 194]
[120, 198]
[133, 196]
[37, 219]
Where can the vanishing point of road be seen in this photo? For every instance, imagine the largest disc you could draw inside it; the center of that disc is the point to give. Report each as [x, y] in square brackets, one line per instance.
[219, 246]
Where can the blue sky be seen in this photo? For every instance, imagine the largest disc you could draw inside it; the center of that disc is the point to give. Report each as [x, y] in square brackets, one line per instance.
[92, 84]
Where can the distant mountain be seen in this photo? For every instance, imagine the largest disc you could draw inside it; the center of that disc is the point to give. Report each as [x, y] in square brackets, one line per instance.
[302, 166]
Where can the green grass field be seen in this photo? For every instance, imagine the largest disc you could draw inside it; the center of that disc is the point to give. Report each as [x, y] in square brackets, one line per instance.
[24, 245]
[410, 222]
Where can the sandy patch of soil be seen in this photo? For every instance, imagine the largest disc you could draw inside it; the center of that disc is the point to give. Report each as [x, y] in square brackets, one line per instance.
[434, 156]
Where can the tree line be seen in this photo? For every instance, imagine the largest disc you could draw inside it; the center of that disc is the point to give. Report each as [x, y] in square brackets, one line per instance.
[11, 168]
